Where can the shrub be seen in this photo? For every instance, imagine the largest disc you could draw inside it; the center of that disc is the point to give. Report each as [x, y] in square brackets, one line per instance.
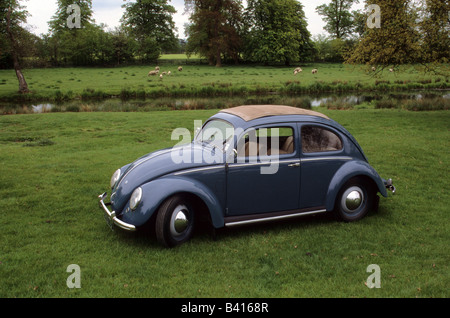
[438, 103]
[386, 103]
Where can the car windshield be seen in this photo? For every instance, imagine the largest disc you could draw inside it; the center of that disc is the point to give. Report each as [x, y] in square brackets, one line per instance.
[216, 133]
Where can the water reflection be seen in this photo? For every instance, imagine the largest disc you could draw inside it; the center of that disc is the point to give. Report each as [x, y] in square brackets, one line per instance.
[302, 101]
[42, 108]
[360, 99]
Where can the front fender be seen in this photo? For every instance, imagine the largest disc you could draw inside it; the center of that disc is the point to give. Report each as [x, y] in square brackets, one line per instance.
[346, 172]
[156, 192]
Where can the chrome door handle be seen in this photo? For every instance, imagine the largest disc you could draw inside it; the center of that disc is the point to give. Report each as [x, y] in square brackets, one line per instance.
[294, 165]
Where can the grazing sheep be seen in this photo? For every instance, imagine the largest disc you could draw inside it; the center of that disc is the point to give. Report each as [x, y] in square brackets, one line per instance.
[163, 73]
[373, 68]
[391, 70]
[297, 70]
[169, 72]
[180, 68]
[314, 71]
[152, 73]
[161, 76]
[157, 68]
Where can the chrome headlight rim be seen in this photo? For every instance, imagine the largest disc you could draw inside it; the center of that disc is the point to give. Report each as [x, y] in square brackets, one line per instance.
[115, 177]
[136, 198]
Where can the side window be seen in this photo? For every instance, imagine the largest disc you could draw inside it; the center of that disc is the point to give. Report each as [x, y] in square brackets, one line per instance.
[318, 139]
[267, 142]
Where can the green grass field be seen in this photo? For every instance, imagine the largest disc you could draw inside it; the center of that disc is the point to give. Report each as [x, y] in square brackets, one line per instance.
[53, 166]
[197, 80]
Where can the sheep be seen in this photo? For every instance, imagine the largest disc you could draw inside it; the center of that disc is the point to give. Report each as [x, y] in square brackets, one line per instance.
[152, 73]
[314, 71]
[157, 68]
[164, 73]
[373, 68]
[297, 70]
[180, 68]
[169, 73]
[161, 76]
[391, 70]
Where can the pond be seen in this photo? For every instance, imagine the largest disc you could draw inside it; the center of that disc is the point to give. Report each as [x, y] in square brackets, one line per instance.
[333, 101]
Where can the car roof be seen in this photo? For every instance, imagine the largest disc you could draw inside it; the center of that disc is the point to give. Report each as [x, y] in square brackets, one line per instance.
[254, 115]
[251, 112]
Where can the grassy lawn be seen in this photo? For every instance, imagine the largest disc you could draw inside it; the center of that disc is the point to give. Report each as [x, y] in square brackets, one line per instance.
[203, 80]
[53, 166]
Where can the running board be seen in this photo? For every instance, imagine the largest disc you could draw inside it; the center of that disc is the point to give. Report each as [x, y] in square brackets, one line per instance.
[266, 217]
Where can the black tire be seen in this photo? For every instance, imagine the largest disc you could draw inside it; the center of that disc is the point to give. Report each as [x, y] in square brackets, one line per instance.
[174, 221]
[354, 200]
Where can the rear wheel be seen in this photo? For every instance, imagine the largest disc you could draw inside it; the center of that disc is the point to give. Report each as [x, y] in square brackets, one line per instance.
[354, 200]
[174, 222]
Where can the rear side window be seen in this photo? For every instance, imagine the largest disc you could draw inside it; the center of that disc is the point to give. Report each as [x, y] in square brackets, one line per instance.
[318, 139]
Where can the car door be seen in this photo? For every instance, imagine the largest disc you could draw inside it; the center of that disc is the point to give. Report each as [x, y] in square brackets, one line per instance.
[322, 154]
[265, 176]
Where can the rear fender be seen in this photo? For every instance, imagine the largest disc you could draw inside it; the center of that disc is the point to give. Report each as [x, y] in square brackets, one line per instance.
[346, 172]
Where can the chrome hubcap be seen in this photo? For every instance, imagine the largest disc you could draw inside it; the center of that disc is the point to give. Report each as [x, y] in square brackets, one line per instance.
[180, 220]
[352, 199]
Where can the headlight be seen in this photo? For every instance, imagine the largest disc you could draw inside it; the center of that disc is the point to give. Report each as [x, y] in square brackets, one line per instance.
[115, 177]
[136, 198]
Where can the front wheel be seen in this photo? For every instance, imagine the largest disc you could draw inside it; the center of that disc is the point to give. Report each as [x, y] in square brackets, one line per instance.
[174, 222]
[354, 200]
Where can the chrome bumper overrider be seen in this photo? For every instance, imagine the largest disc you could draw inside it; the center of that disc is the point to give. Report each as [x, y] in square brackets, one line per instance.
[389, 185]
[111, 218]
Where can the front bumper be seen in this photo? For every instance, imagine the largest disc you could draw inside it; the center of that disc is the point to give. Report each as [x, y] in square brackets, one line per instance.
[111, 218]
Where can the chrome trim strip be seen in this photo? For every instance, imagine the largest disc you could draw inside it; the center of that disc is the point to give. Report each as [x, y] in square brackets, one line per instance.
[199, 169]
[326, 158]
[248, 164]
[112, 215]
[281, 217]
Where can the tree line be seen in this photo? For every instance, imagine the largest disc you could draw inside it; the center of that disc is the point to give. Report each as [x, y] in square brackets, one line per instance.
[224, 31]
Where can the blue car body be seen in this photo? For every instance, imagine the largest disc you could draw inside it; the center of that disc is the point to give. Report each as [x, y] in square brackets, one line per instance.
[229, 183]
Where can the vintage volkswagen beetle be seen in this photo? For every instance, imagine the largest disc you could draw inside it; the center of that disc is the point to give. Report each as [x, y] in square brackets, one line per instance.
[247, 164]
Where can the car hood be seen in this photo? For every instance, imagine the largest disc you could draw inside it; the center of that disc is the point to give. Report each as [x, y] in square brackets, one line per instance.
[160, 163]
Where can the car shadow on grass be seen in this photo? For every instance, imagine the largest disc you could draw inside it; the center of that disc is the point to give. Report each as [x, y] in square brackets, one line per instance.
[205, 233]
[274, 226]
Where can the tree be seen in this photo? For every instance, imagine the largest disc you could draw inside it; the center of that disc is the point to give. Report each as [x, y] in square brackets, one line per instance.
[59, 21]
[151, 24]
[277, 31]
[435, 28]
[338, 18]
[395, 43]
[359, 23]
[123, 45]
[66, 40]
[328, 49]
[214, 30]
[322, 48]
[12, 15]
